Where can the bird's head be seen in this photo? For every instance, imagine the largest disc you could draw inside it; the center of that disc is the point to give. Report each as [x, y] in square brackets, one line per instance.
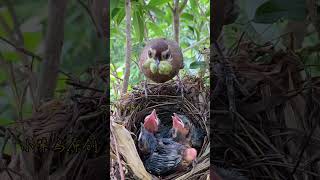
[190, 154]
[151, 122]
[180, 124]
[160, 52]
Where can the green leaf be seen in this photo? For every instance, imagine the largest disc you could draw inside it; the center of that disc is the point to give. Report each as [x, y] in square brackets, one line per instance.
[187, 16]
[273, 10]
[4, 13]
[208, 12]
[5, 121]
[32, 40]
[197, 64]
[138, 25]
[194, 6]
[158, 2]
[114, 4]
[61, 84]
[191, 29]
[159, 13]
[156, 29]
[3, 77]
[120, 15]
[11, 56]
[114, 12]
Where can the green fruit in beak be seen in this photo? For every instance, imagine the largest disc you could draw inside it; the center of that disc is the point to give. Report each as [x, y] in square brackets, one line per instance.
[147, 63]
[153, 68]
[165, 68]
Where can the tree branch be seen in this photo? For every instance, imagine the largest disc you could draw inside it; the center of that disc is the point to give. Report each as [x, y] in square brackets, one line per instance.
[86, 8]
[195, 44]
[53, 46]
[128, 48]
[183, 5]
[21, 49]
[99, 13]
[176, 20]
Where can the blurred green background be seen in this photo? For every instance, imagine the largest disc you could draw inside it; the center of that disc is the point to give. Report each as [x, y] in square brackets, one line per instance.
[81, 49]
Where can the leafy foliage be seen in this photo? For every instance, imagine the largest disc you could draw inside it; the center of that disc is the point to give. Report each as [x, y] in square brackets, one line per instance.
[273, 10]
[153, 19]
[81, 49]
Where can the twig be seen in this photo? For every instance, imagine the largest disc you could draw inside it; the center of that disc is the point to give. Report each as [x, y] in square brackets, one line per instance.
[84, 87]
[195, 44]
[128, 48]
[89, 13]
[183, 5]
[118, 155]
[144, 2]
[21, 49]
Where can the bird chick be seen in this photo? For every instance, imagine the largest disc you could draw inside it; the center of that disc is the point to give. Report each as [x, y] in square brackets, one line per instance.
[147, 141]
[184, 132]
[180, 129]
[170, 156]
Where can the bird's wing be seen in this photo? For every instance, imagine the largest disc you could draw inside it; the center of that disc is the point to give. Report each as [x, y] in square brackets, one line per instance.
[162, 163]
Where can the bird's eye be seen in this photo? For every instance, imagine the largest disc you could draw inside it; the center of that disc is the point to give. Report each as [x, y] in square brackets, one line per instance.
[149, 54]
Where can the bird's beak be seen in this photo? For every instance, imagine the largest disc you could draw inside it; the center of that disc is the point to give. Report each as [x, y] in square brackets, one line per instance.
[157, 62]
[154, 114]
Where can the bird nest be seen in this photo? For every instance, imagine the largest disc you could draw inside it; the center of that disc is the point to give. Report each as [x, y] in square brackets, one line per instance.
[265, 114]
[131, 110]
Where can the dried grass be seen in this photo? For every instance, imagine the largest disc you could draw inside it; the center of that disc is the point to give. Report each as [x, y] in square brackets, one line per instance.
[272, 129]
[132, 109]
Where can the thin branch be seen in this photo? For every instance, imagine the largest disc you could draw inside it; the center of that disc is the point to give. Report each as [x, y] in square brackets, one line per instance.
[128, 48]
[183, 5]
[86, 8]
[53, 47]
[16, 25]
[21, 49]
[176, 20]
[151, 17]
[80, 86]
[195, 44]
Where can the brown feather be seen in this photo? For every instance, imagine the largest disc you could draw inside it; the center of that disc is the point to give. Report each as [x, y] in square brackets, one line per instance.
[161, 45]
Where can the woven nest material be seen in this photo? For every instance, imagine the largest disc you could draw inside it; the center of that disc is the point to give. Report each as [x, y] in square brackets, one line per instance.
[131, 110]
[266, 113]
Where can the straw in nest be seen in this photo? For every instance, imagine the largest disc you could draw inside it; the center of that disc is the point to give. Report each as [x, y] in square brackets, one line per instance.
[131, 110]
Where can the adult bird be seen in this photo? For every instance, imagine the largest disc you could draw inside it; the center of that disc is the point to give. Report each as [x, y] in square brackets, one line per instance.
[161, 60]
[169, 157]
[185, 133]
